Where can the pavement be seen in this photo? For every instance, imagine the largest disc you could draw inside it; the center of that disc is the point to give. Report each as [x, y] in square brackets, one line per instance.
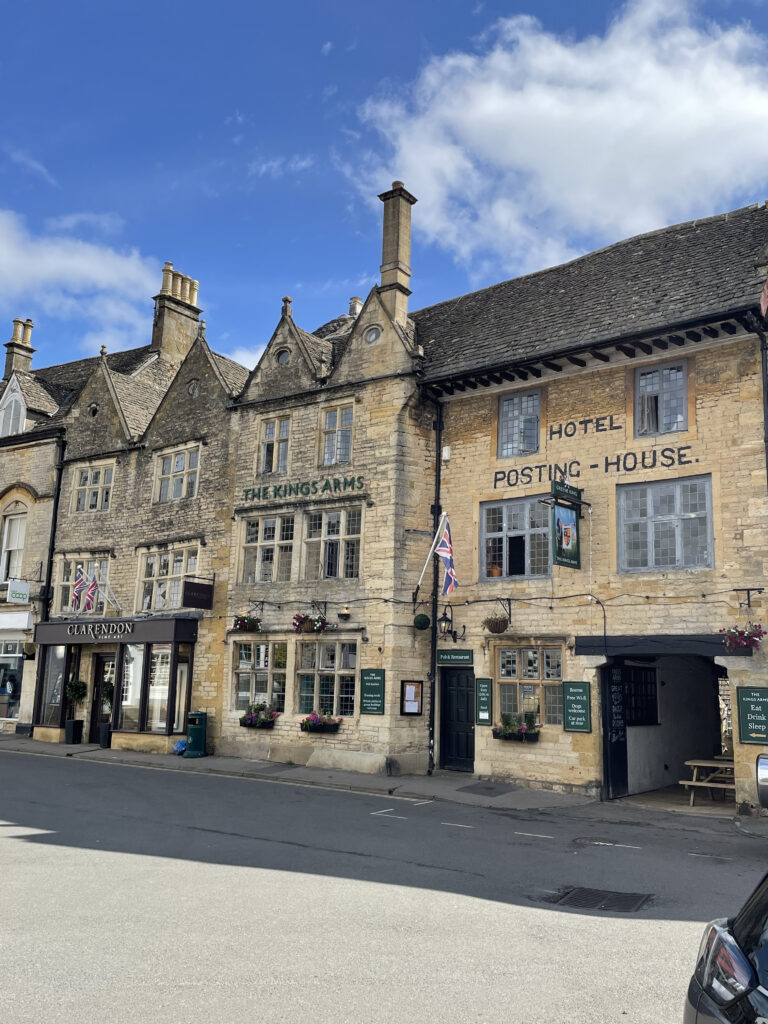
[454, 787]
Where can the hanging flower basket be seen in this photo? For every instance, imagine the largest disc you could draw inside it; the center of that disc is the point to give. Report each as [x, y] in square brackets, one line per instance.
[734, 637]
[496, 623]
[305, 623]
[247, 624]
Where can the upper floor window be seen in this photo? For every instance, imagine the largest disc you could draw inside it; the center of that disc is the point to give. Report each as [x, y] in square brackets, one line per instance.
[518, 424]
[12, 416]
[268, 550]
[333, 544]
[274, 447]
[93, 492]
[81, 585]
[14, 532]
[525, 674]
[514, 538]
[665, 525]
[177, 474]
[661, 399]
[337, 435]
[162, 575]
[260, 674]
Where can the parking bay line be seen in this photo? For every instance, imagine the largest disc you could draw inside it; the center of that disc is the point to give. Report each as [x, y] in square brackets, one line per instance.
[532, 835]
[454, 824]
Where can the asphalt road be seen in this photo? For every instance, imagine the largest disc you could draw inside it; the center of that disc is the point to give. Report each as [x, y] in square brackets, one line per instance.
[148, 896]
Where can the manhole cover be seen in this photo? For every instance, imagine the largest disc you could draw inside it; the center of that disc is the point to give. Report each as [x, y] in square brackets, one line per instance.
[602, 899]
[488, 788]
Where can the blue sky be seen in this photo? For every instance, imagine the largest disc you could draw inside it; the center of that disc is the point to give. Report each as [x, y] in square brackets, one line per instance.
[246, 143]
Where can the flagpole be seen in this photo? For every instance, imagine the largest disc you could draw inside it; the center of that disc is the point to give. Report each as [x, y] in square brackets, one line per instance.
[435, 542]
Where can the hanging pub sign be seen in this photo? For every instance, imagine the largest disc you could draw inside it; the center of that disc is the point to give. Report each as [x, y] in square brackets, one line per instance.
[195, 594]
[565, 536]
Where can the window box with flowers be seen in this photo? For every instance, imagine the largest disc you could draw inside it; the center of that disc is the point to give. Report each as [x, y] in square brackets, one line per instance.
[518, 728]
[736, 638]
[306, 623]
[320, 723]
[246, 624]
[259, 716]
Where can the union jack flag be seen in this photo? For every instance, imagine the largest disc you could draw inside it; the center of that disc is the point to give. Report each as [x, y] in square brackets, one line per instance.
[90, 595]
[445, 550]
[79, 586]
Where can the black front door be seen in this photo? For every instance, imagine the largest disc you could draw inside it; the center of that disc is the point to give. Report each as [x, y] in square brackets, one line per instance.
[103, 693]
[457, 719]
[614, 732]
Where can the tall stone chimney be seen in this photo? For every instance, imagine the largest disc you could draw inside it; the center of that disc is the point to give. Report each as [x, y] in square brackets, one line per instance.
[396, 251]
[177, 316]
[19, 351]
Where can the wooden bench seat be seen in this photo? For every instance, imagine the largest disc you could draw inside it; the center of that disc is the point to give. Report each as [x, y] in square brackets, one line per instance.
[707, 785]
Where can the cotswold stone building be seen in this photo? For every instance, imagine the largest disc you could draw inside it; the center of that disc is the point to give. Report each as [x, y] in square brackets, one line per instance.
[596, 434]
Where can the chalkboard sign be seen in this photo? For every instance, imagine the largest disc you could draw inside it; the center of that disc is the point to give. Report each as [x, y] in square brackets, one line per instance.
[577, 711]
[483, 701]
[753, 714]
[372, 691]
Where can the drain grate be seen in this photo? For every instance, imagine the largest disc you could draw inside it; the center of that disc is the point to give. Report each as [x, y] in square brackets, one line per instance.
[488, 788]
[603, 899]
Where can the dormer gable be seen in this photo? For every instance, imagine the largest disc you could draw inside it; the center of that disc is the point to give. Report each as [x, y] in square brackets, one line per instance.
[13, 409]
[294, 360]
[376, 346]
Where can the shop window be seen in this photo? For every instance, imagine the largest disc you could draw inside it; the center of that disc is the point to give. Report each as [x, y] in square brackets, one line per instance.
[326, 677]
[177, 474]
[11, 670]
[661, 399]
[93, 492]
[274, 447]
[665, 525]
[514, 539]
[154, 688]
[260, 674]
[162, 575]
[337, 435]
[83, 585]
[14, 532]
[518, 424]
[332, 544]
[530, 682]
[62, 664]
[268, 549]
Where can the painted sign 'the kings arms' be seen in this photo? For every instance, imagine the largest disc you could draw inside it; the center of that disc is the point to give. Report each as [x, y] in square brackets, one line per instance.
[304, 488]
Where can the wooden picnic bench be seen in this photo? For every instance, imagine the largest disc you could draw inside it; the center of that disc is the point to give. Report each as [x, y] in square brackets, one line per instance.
[709, 774]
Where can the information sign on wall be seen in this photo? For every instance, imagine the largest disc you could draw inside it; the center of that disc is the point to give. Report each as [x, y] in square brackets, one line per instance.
[483, 701]
[372, 691]
[454, 657]
[753, 714]
[577, 711]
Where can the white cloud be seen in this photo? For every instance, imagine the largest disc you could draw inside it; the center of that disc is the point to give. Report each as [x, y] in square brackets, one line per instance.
[69, 279]
[33, 166]
[247, 357]
[538, 147]
[329, 91]
[326, 48]
[104, 223]
[276, 167]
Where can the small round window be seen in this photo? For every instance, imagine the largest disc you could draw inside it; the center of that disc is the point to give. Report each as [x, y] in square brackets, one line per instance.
[283, 356]
[193, 388]
[372, 334]
[93, 410]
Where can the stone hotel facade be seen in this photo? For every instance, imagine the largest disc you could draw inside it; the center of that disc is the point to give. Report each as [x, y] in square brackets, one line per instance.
[596, 434]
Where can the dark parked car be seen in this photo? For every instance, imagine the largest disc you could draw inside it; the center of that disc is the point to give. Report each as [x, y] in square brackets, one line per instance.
[730, 982]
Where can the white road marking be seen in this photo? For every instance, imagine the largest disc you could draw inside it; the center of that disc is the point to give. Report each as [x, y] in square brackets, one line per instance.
[421, 803]
[713, 856]
[533, 835]
[453, 824]
[619, 846]
[624, 846]
[386, 810]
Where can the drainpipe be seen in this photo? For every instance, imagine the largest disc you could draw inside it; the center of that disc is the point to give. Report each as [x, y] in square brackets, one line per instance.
[45, 608]
[436, 513]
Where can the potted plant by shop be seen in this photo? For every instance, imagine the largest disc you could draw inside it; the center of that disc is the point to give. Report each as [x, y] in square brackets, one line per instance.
[259, 716]
[75, 694]
[518, 728]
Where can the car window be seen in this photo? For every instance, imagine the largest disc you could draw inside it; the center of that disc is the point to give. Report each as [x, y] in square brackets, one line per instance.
[750, 929]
